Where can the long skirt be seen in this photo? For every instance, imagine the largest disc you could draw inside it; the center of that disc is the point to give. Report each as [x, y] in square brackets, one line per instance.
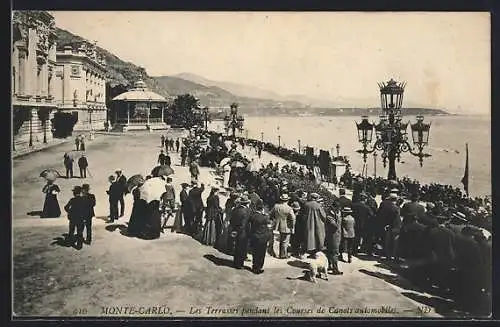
[209, 232]
[51, 207]
[136, 222]
[177, 222]
[222, 241]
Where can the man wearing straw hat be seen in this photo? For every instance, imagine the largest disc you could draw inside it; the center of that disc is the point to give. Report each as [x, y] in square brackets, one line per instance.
[240, 230]
[348, 233]
[76, 211]
[89, 200]
[283, 218]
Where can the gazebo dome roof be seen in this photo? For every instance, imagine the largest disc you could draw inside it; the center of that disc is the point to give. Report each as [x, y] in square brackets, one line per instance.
[140, 93]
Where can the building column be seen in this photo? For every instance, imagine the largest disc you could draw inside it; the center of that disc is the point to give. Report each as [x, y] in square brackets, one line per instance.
[45, 79]
[162, 110]
[22, 72]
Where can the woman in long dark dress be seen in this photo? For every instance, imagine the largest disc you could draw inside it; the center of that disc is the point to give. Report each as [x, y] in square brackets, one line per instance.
[137, 212]
[213, 219]
[51, 207]
[152, 227]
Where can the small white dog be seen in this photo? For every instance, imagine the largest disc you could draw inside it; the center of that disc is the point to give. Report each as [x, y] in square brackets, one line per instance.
[317, 267]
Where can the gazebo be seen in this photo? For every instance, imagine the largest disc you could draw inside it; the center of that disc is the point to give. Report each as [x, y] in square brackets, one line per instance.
[139, 109]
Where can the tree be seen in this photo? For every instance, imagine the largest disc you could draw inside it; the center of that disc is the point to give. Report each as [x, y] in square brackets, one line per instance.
[185, 111]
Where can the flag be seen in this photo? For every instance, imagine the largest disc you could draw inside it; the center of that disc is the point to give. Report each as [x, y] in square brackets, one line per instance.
[465, 179]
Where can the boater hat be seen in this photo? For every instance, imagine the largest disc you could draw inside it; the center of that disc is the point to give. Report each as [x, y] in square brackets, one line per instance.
[244, 199]
[346, 210]
[314, 196]
[284, 197]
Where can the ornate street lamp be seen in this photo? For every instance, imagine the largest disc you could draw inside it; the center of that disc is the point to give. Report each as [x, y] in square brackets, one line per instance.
[391, 132]
[233, 121]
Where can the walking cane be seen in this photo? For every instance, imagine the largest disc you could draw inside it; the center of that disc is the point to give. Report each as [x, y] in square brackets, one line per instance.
[88, 170]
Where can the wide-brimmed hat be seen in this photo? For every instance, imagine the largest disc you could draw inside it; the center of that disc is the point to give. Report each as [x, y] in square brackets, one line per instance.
[314, 196]
[244, 199]
[459, 216]
[77, 189]
[346, 210]
[393, 196]
[86, 187]
[284, 197]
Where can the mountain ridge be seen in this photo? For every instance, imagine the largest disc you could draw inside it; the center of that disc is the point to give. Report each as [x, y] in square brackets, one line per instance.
[122, 74]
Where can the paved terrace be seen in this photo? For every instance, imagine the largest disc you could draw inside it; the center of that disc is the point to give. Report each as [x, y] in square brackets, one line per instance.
[175, 270]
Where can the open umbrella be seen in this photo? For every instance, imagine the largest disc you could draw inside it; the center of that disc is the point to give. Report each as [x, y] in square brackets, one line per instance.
[74, 154]
[134, 181]
[224, 161]
[152, 189]
[50, 174]
[163, 170]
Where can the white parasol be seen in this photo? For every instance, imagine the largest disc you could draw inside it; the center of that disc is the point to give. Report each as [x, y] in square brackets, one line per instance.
[152, 189]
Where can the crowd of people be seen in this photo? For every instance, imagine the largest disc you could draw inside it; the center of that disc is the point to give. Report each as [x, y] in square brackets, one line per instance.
[267, 204]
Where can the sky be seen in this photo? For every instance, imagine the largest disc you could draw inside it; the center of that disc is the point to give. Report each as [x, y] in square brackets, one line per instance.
[443, 57]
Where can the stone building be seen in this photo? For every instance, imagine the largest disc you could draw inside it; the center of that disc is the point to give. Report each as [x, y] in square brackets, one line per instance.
[80, 85]
[32, 77]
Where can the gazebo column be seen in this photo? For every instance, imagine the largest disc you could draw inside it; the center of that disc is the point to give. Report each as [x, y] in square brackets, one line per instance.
[162, 109]
[128, 113]
[149, 111]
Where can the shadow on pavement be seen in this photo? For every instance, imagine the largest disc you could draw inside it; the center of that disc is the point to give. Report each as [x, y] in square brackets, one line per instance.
[441, 306]
[35, 213]
[121, 227]
[219, 261]
[297, 264]
[366, 257]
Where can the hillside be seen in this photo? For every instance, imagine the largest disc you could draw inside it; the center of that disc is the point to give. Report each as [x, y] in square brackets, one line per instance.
[253, 101]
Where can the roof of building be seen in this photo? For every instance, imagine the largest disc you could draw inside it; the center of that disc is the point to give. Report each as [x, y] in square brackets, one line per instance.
[140, 92]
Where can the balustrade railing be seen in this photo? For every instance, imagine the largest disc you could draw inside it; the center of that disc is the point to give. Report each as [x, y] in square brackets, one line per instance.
[139, 120]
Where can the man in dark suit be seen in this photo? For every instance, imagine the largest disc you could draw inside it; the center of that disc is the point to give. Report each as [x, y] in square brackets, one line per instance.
[364, 229]
[68, 164]
[260, 232]
[413, 208]
[76, 212]
[114, 192]
[83, 164]
[194, 197]
[254, 197]
[122, 185]
[240, 230]
[161, 158]
[183, 197]
[389, 215]
[177, 145]
[89, 211]
[343, 200]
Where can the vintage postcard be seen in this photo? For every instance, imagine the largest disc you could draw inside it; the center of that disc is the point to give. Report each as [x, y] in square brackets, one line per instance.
[251, 164]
